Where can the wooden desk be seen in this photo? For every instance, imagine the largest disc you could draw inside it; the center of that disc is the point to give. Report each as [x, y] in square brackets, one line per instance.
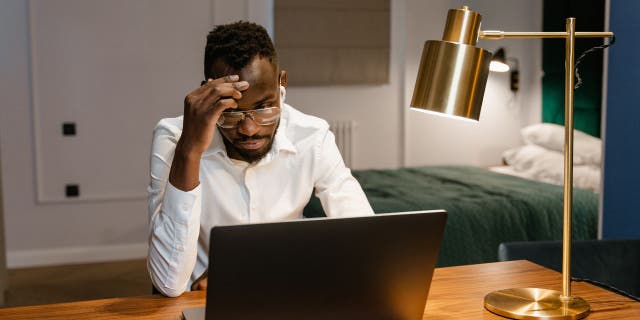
[456, 293]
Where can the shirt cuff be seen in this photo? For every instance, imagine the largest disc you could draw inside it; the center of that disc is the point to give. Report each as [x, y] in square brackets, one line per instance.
[178, 204]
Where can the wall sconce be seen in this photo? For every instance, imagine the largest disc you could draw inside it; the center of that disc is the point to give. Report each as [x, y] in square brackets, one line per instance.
[500, 63]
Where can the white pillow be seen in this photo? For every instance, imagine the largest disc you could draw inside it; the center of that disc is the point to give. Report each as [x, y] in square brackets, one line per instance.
[526, 157]
[537, 163]
[587, 177]
[586, 149]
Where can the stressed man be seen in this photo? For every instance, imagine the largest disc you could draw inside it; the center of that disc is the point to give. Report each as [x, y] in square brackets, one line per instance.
[239, 154]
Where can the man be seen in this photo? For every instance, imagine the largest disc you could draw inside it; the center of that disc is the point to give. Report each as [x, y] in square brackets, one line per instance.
[238, 155]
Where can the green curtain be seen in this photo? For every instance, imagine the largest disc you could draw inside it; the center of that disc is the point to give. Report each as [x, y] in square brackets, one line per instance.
[589, 16]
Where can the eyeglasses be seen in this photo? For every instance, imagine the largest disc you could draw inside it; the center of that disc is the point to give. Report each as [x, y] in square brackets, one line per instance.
[263, 117]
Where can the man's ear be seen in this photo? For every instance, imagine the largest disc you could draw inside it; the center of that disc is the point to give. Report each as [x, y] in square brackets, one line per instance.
[283, 78]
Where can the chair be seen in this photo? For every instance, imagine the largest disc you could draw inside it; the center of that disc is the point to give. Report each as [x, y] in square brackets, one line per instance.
[614, 263]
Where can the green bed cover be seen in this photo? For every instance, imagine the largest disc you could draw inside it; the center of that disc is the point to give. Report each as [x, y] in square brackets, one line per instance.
[485, 208]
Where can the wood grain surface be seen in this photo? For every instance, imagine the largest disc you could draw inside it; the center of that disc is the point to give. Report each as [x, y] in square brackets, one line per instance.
[456, 293]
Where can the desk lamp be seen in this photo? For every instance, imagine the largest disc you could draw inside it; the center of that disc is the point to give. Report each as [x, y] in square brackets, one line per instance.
[451, 81]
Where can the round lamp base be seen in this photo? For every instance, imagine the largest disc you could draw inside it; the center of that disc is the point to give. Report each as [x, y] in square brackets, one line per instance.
[534, 303]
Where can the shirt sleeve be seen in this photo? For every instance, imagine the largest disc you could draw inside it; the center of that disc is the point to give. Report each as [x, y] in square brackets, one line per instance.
[339, 192]
[174, 221]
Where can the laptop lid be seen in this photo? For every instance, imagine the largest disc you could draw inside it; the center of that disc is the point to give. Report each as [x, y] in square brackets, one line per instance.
[375, 267]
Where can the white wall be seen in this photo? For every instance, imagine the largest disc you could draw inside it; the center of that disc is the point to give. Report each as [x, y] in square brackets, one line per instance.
[139, 63]
[437, 140]
[63, 232]
[383, 139]
[374, 107]
[121, 64]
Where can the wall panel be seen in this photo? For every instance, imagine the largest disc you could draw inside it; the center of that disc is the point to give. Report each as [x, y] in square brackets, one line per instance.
[113, 68]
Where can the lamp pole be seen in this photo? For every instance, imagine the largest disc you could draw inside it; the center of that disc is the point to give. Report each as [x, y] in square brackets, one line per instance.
[533, 303]
[569, 79]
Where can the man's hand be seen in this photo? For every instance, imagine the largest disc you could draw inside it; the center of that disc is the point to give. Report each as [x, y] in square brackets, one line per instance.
[201, 282]
[202, 109]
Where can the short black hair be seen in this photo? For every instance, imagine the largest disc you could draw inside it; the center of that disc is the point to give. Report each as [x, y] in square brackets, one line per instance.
[237, 44]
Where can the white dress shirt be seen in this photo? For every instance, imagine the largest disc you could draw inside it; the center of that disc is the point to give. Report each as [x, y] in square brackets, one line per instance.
[303, 156]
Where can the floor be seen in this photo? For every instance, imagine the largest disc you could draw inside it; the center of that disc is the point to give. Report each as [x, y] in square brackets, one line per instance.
[41, 285]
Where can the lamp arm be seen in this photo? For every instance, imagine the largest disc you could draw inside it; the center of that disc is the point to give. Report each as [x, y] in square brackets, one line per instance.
[497, 35]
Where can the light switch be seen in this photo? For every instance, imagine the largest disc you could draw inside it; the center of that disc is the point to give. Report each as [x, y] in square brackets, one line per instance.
[68, 129]
[72, 190]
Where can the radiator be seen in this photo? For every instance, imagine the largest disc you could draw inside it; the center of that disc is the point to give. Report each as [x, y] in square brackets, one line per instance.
[345, 132]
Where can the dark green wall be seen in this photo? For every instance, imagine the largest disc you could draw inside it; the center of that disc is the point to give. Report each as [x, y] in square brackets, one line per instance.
[589, 16]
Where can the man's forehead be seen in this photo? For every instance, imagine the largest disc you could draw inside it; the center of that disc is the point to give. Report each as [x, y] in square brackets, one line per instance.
[258, 72]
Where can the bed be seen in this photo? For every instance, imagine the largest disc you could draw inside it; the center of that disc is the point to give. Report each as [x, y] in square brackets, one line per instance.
[485, 208]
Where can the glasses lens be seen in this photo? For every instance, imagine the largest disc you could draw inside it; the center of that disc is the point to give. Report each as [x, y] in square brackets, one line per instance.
[263, 117]
[266, 116]
[230, 119]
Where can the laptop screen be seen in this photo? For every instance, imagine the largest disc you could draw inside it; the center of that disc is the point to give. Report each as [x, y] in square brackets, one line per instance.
[375, 267]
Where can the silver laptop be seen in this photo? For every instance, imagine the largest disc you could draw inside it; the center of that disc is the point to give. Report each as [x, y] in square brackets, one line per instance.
[376, 267]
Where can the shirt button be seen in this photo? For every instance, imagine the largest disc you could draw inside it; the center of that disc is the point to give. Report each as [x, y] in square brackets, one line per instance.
[185, 207]
[180, 247]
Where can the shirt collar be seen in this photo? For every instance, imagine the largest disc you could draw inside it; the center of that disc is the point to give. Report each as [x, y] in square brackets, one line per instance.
[281, 141]
[217, 145]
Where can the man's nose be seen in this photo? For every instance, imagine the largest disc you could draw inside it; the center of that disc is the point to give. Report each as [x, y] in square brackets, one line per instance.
[248, 127]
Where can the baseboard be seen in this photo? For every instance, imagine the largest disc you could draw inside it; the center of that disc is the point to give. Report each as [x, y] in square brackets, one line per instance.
[74, 255]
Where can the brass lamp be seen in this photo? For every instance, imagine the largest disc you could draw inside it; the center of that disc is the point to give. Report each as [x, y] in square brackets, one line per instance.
[453, 72]
[451, 81]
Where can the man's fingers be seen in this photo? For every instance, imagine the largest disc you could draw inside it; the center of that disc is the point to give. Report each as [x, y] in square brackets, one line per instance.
[211, 95]
[219, 93]
[206, 85]
[232, 90]
[215, 96]
[222, 105]
[241, 85]
[225, 90]
[232, 78]
[228, 78]
[200, 284]
[214, 113]
[214, 89]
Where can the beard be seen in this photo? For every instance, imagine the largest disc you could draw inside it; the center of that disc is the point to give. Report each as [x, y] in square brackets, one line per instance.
[250, 155]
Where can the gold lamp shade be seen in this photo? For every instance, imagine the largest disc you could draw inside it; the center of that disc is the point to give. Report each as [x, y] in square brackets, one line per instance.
[453, 72]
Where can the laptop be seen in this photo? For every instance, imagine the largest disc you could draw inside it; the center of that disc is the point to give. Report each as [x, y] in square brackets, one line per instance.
[374, 267]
